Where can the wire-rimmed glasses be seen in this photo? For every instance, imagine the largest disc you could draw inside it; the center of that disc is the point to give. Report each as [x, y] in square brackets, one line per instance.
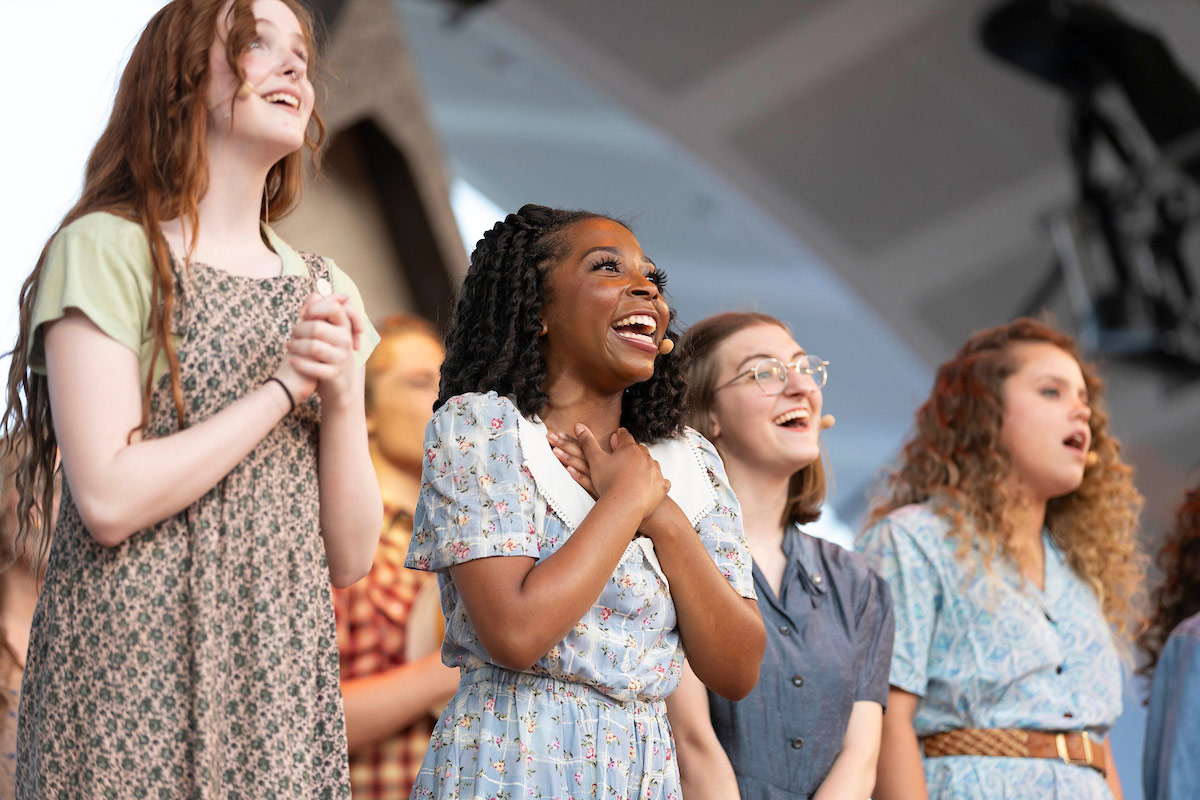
[771, 374]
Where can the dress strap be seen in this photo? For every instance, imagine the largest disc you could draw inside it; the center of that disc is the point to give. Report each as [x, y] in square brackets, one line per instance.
[319, 273]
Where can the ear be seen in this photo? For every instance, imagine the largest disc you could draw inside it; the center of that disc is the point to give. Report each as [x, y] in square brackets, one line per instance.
[544, 330]
[713, 426]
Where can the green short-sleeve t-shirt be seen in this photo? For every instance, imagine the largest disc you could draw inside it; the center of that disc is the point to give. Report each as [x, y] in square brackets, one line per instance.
[100, 264]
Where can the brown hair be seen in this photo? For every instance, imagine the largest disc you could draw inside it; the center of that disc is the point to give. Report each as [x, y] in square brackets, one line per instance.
[1178, 596]
[148, 165]
[954, 458]
[10, 660]
[395, 325]
[806, 489]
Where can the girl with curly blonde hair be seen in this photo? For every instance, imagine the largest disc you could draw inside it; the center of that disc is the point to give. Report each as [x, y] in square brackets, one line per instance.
[1007, 534]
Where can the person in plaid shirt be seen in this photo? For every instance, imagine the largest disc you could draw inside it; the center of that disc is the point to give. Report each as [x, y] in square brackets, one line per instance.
[389, 625]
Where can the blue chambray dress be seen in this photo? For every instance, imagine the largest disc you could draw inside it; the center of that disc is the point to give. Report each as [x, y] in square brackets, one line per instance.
[987, 650]
[588, 720]
[1171, 754]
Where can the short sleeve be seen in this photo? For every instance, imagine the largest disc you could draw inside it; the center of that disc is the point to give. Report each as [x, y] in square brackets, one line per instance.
[913, 580]
[99, 264]
[477, 497]
[875, 630]
[342, 284]
[721, 528]
[1171, 755]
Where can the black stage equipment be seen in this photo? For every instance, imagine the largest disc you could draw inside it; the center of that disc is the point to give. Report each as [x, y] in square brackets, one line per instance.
[1137, 194]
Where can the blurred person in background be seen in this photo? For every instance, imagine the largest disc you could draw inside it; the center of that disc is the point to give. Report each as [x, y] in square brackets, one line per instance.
[1008, 536]
[389, 623]
[811, 726]
[1171, 752]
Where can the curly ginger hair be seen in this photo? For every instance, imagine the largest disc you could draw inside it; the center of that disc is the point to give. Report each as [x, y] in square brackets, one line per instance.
[954, 458]
[1178, 596]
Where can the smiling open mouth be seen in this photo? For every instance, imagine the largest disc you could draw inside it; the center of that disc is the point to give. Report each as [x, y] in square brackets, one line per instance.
[797, 419]
[282, 98]
[636, 328]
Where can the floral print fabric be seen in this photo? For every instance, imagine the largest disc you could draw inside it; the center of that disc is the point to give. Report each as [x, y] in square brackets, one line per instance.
[988, 650]
[592, 704]
[197, 659]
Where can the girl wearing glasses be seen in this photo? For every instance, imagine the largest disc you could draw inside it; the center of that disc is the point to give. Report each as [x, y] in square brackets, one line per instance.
[811, 726]
[1007, 535]
[570, 595]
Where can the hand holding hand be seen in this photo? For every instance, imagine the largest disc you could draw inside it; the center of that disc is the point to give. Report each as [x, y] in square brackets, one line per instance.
[321, 351]
[570, 454]
[629, 470]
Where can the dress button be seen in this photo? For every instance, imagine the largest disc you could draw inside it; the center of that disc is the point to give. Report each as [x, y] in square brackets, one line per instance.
[817, 577]
[785, 630]
[1058, 669]
[1068, 715]
[797, 680]
[797, 743]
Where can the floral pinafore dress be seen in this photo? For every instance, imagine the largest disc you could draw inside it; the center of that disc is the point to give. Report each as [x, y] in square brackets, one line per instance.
[198, 659]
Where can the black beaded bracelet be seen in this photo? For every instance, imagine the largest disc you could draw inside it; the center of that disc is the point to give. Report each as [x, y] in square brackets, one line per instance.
[287, 391]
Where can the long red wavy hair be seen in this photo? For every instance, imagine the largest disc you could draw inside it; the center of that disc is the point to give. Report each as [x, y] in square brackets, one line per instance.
[149, 165]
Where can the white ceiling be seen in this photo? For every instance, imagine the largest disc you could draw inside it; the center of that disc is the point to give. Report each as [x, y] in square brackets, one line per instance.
[861, 168]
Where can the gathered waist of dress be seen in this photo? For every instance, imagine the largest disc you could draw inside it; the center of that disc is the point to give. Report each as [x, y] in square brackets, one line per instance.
[559, 690]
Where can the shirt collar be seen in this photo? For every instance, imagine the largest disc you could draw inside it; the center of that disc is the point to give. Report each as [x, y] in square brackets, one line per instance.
[679, 460]
[806, 552]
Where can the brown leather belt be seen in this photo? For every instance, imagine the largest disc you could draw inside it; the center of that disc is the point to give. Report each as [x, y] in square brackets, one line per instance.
[1074, 747]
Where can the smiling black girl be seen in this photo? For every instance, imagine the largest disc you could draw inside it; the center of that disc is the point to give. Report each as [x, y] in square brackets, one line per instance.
[571, 593]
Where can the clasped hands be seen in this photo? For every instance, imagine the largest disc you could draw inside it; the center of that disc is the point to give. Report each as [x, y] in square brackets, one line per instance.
[320, 353]
[626, 469]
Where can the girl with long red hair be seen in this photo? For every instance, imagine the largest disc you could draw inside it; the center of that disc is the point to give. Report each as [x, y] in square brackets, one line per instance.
[203, 383]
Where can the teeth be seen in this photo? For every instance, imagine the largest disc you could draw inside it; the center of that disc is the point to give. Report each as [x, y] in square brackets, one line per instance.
[1076, 440]
[636, 319]
[637, 337]
[788, 416]
[282, 97]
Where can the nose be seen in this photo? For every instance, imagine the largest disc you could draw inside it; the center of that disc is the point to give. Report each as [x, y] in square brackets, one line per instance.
[1082, 410]
[642, 286]
[799, 383]
[293, 66]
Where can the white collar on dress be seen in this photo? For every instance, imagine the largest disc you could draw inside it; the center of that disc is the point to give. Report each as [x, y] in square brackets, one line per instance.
[679, 460]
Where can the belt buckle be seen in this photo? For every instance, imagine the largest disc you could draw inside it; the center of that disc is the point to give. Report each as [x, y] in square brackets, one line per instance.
[1060, 743]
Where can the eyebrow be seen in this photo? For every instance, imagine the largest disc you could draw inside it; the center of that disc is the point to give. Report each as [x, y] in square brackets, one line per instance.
[605, 248]
[296, 35]
[761, 356]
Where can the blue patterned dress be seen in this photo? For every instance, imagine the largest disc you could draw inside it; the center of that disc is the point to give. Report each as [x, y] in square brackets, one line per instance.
[1171, 754]
[983, 649]
[588, 719]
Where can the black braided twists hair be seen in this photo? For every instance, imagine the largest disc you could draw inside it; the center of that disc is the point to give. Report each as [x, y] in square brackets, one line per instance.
[494, 343]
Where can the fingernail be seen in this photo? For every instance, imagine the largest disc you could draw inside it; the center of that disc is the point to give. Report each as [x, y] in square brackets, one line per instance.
[580, 428]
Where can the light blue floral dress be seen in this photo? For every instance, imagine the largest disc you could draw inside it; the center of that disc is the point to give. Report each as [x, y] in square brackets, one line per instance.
[588, 720]
[987, 650]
